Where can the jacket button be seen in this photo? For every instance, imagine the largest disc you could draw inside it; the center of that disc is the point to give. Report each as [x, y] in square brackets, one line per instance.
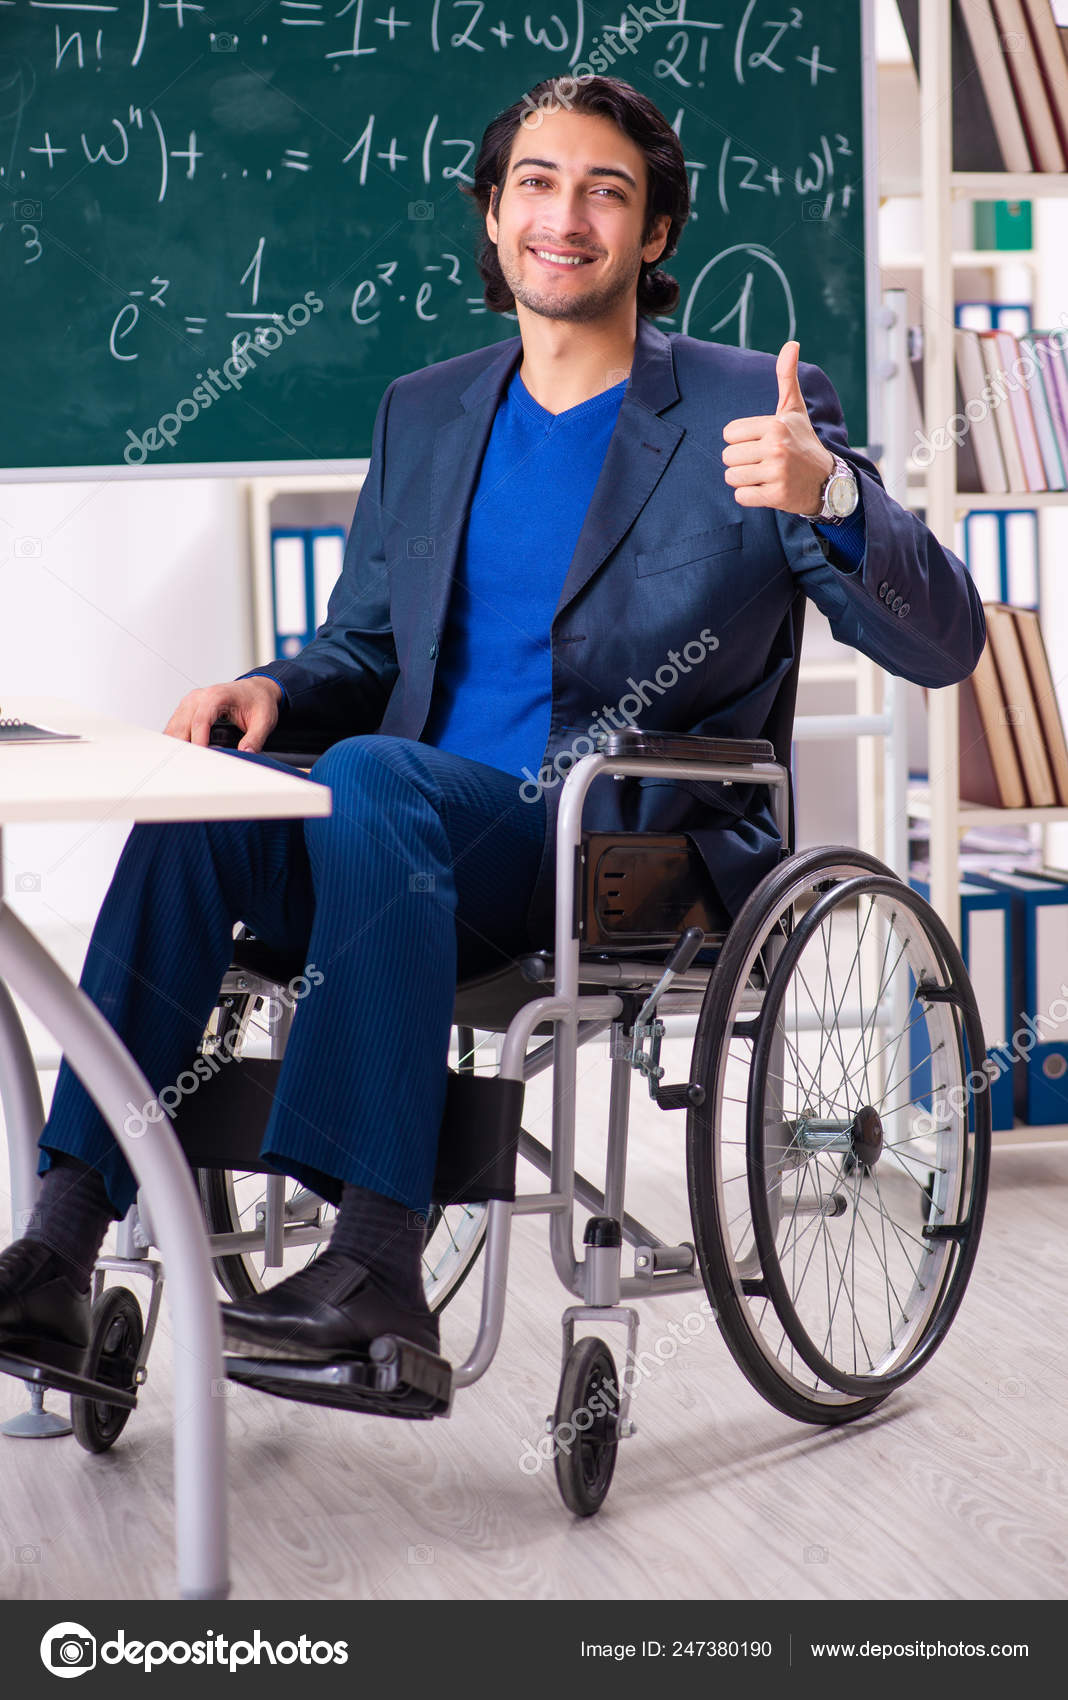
[883, 588]
[903, 610]
[896, 603]
[433, 652]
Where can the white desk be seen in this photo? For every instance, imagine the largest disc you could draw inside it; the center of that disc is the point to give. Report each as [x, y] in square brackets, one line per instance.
[122, 773]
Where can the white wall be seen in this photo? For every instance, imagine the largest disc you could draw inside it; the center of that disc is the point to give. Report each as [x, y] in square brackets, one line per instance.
[122, 595]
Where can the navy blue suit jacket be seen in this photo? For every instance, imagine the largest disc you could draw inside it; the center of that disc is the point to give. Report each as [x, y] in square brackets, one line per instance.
[665, 553]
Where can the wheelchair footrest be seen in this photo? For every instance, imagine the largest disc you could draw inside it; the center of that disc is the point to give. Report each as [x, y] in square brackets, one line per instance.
[59, 1367]
[398, 1379]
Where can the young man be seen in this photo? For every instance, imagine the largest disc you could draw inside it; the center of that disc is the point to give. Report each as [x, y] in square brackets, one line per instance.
[595, 521]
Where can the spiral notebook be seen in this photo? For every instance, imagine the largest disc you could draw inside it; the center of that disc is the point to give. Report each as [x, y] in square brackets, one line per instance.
[14, 731]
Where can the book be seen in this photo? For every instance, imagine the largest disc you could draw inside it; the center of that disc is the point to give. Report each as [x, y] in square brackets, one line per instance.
[988, 62]
[983, 431]
[975, 139]
[989, 766]
[1001, 411]
[1041, 408]
[1023, 417]
[1005, 225]
[1032, 100]
[1015, 420]
[1052, 63]
[1044, 694]
[1021, 711]
[1046, 354]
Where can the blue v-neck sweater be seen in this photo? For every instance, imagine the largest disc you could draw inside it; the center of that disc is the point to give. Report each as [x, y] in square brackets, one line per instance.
[493, 689]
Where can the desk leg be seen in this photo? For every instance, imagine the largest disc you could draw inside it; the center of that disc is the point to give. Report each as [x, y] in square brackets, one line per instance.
[113, 1080]
[20, 1094]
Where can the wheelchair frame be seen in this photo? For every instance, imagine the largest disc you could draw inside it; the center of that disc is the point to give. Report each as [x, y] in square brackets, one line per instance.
[167, 1216]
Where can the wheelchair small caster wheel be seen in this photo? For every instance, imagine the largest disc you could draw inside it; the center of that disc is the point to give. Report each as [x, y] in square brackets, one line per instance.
[586, 1427]
[115, 1336]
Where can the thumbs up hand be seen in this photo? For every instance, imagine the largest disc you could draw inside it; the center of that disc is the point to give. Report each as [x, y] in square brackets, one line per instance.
[776, 460]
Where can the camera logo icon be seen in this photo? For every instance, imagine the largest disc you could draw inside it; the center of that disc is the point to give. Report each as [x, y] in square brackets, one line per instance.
[27, 548]
[420, 548]
[30, 212]
[813, 209]
[223, 42]
[27, 882]
[420, 209]
[68, 1649]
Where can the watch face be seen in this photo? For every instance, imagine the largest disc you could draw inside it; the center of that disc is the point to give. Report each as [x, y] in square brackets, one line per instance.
[842, 496]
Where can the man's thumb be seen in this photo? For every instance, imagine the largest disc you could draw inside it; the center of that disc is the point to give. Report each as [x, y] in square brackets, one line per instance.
[255, 734]
[790, 398]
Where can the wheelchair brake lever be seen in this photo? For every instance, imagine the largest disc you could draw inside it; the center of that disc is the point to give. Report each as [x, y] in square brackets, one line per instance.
[677, 963]
[648, 1062]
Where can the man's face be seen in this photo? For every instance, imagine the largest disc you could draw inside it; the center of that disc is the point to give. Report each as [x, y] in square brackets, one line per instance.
[575, 189]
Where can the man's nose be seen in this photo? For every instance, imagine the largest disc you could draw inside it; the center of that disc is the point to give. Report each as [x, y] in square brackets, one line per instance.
[568, 214]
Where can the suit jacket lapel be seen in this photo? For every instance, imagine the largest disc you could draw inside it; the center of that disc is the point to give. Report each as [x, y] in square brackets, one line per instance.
[639, 450]
[458, 448]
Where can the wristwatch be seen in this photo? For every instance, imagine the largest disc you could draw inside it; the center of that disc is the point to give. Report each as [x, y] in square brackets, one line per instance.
[839, 495]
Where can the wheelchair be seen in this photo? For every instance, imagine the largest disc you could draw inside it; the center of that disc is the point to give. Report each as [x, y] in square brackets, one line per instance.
[837, 1148]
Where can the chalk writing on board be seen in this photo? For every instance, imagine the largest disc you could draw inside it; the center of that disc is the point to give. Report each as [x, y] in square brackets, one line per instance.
[174, 173]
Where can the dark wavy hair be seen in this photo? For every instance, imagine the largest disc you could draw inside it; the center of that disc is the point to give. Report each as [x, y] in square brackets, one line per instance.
[667, 191]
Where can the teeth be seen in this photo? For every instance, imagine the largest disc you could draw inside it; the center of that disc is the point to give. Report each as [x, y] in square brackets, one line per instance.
[560, 259]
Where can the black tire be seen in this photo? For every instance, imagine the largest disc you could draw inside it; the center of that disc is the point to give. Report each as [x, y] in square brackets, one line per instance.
[585, 1463]
[717, 1172]
[116, 1333]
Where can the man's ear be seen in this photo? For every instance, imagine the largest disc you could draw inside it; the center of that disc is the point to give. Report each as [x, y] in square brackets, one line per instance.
[491, 214]
[656, 244]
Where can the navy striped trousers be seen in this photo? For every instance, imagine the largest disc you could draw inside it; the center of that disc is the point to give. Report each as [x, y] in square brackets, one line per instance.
[420, 877]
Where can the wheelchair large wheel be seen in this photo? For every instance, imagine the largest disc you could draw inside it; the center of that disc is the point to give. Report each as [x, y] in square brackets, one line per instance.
[838, 1164]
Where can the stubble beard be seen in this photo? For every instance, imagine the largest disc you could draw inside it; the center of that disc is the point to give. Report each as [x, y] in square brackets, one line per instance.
[580, 307]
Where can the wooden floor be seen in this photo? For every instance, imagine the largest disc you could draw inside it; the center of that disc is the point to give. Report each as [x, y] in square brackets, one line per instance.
[955, 1488]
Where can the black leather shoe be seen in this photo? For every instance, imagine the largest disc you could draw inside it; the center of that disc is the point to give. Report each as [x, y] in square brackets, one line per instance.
[328, 1311]
[39, 1301]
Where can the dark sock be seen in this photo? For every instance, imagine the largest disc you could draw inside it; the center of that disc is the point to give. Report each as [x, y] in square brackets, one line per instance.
[72, 1215]
[385, 1235]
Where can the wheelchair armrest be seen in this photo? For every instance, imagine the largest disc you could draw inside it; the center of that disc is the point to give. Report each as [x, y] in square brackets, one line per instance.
[295, 747]
[686, 746]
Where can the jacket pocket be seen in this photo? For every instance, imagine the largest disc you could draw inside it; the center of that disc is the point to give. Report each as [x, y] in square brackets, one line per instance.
[696, 548]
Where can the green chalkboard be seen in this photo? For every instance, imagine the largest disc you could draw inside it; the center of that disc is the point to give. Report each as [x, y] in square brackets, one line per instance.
[174, 176]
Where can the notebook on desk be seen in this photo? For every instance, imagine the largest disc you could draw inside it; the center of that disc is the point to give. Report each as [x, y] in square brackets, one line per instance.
[13, 731]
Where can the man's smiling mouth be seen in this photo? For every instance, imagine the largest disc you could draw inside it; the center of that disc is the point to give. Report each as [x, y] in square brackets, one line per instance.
[562, 261]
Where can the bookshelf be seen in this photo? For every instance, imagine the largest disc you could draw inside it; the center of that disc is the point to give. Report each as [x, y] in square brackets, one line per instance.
[939, 187]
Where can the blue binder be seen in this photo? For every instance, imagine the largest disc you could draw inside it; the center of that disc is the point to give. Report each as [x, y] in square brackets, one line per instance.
[986, 946]
[1040, 993]
[292, 591]
[305, 565]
